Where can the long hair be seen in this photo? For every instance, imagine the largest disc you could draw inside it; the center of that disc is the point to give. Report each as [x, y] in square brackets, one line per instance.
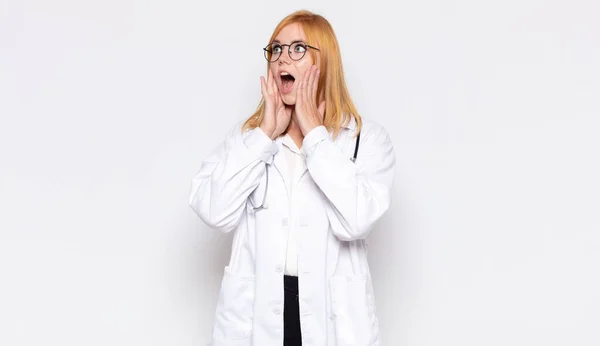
[339, 107]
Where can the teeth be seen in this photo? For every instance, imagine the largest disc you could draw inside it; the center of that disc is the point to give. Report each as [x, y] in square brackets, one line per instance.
[285, 74]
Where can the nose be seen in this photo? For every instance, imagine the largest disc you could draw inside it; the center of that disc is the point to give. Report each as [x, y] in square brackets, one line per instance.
[284, 57]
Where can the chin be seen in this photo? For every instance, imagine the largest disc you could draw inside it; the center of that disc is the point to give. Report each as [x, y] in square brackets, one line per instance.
[290, 101]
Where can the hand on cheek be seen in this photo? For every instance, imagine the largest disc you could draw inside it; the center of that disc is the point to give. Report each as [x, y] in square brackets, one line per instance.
[308, 115]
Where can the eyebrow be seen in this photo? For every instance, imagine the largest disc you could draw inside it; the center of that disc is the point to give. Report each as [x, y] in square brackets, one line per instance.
[297, 40]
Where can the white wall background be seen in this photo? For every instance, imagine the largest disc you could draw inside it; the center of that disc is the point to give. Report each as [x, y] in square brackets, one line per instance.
[108, 108]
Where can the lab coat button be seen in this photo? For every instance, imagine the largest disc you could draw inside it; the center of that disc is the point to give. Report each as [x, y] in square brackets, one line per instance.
[285, 221]
[277, 311]
[279, 269]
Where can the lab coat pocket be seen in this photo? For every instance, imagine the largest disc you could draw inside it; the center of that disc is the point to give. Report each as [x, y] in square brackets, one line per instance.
[353, 311]
[233, 318]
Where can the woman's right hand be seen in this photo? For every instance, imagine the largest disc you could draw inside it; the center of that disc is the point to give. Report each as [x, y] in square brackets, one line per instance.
[277, 116]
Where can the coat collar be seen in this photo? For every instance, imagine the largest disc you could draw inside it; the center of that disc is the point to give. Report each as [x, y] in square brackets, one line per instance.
[289, 142]
[280, 161]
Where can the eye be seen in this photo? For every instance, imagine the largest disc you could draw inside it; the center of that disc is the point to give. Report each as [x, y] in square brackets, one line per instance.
[299, 48]
[275, 49]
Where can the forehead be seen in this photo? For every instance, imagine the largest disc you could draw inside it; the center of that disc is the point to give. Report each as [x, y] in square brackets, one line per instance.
[289, 33]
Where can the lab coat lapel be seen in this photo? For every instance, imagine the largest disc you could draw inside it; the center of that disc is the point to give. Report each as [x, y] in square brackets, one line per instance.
[280, 162]
[301, 171]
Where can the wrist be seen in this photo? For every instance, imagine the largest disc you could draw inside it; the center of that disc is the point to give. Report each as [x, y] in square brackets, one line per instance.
[267, 131]
[309, 127]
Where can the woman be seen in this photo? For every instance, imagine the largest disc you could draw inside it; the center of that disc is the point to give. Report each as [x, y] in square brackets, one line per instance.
[286, 183]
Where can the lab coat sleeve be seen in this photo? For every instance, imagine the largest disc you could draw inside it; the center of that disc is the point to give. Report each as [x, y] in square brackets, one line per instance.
[358, 194]
[220, 189]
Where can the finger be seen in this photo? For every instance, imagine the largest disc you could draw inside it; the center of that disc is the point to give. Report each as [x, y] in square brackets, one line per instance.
[271, 81]
[263, 87]
[322, 94]
[309, 83]
[310, 94]
[305, 79]
[309, 79]
[275, 86]
[315, 86]
[278, 99]
[322, 109]
[270, 76]
[299, 92]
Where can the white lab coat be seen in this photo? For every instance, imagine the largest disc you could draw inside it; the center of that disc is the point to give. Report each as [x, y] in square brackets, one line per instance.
[241, 187]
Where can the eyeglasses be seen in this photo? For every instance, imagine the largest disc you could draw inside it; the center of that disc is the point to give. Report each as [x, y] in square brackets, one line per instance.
[296, 50]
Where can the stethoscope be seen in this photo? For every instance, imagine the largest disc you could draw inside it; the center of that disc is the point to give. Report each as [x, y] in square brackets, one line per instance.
[264, 205]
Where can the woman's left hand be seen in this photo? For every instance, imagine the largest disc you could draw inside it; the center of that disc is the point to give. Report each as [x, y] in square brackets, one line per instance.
[308, 115]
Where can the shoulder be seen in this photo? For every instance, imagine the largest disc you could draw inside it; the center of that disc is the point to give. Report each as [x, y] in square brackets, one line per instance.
[375, 139]
[373, 130]
[237, 132]
[233, 135]
[376, 146]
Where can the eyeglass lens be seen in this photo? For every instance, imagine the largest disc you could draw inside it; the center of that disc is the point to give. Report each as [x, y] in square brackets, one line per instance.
[296, 51]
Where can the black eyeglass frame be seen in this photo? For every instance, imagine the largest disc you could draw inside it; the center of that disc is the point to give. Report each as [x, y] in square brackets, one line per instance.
[289, 50]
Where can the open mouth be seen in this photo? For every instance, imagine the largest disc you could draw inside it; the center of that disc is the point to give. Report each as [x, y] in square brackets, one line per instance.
[287, 82]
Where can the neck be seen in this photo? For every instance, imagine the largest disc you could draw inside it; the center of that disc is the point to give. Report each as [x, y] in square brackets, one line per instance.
[293, 128]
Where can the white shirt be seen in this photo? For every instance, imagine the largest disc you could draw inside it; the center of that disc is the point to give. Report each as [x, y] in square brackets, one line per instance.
[296, 165]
